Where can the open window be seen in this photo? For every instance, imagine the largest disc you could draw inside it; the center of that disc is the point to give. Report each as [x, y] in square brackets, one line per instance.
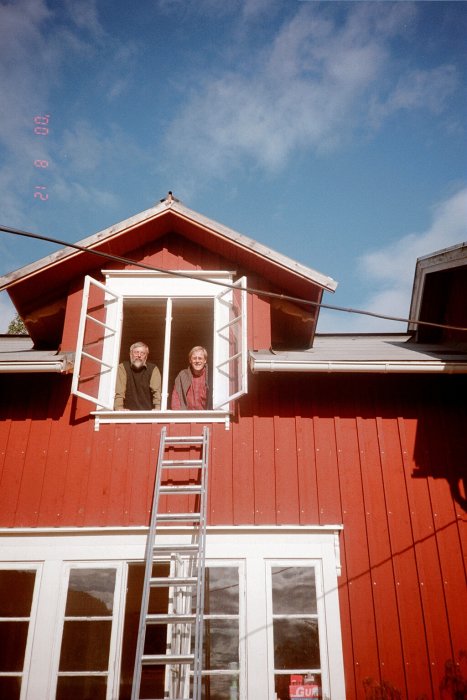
[171, 314]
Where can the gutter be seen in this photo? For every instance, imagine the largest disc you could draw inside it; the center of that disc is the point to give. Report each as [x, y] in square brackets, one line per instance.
[64, 365]
[32, 367]
[380, 367]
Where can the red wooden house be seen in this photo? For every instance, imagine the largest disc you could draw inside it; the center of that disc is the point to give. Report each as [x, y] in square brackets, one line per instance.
[336, 470]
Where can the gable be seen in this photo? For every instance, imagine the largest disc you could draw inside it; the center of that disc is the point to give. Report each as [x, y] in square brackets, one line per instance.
[168, 235]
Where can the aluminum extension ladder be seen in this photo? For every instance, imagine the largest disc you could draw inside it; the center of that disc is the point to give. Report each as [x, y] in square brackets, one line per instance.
[185, 565]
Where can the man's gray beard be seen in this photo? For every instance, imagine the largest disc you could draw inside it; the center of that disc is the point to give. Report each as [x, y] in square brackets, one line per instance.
[138, 363]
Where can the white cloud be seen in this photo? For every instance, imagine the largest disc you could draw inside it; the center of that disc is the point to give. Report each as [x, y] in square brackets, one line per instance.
[418, 89]
[391, 269]
[36, 44]
[22, 79]
[73, 191]
[84, 15]
[307, 89]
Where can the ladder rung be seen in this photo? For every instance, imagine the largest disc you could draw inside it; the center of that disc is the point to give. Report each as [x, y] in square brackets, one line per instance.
[186, 488]
[161, 582]
[181, 463]
[177, 517]
[184, 440]
[170, 618]
[183, 614]
[163, 659]
[176, 548]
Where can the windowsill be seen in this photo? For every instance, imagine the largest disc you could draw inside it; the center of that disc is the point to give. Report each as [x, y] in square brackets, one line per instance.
[125, 416]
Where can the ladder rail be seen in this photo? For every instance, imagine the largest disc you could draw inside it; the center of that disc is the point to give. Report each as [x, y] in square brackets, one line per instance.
[147, 575]
[185, 581]
[199, 625]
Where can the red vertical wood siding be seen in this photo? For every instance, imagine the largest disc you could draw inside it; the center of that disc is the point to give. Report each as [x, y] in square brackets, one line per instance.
[264, 453]
[381, 454]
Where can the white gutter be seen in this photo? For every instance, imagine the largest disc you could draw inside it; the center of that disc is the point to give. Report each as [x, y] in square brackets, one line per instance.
[429, 366]
[59, 366]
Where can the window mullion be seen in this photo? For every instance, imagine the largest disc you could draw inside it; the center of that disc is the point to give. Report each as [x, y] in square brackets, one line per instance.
[166, 364]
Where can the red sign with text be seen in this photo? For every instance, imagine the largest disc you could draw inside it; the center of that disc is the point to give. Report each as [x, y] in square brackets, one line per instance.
[300, 689]
[304, 691]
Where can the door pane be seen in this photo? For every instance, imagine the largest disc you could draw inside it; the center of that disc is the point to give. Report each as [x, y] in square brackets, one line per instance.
[220, 688]
[221, 591]
[220, 643]
[312, 685]
[10, 688]
[296, 644]
[85, 645]
[90, 592]
[293, 590]
[16, 589]
[81, 688]
[13, 638]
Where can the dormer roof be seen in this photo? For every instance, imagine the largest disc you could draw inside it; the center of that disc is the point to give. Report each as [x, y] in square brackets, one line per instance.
[46, 281]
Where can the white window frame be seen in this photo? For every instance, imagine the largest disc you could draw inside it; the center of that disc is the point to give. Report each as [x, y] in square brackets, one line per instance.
[253, 549]
[239, 565]
[25, 673]
[316, 565]
[130, 284]
[113, 672]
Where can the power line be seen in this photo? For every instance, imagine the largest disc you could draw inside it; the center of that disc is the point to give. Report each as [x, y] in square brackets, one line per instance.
[251, 290]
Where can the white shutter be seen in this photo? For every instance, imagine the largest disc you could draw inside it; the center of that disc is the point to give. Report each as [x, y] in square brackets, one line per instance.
[230, 344]
[98, 344]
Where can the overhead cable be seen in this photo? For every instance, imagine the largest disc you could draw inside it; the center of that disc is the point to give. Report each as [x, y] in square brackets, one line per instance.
[188, 275]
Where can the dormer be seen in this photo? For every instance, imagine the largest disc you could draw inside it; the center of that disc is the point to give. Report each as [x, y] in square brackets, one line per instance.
[439, 294]
[173, 279]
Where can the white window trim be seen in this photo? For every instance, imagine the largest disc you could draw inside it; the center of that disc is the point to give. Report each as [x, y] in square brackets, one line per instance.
[316, 565]
[199, 284]
[26, 672]
[252, 547]
[240, 566]
[113, 672]
[206, 417]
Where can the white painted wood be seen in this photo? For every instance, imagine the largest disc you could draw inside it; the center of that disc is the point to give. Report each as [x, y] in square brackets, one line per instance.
[253, 550]
[230, 323]
[108, 363]
[166, 365]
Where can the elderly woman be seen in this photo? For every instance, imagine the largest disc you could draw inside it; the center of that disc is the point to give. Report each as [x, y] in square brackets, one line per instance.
[191, 389]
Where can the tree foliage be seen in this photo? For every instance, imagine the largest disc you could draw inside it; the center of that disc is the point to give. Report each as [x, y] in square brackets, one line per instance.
[17, 327]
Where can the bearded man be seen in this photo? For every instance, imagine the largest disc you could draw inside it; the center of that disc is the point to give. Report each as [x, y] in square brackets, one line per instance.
[138, 386]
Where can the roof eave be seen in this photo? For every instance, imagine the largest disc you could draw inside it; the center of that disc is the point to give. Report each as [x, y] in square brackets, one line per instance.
[369, 367]
[107, 235]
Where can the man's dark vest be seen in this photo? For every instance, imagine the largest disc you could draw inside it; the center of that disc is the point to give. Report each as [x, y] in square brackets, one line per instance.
[138, 395]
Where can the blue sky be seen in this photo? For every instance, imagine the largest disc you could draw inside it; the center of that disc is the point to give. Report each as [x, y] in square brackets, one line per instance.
[332, 132]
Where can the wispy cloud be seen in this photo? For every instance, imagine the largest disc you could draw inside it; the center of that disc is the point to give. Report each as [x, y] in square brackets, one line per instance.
[428, 89]
[391, 269]
[308, 88]
[84, 15]
[38, 40]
